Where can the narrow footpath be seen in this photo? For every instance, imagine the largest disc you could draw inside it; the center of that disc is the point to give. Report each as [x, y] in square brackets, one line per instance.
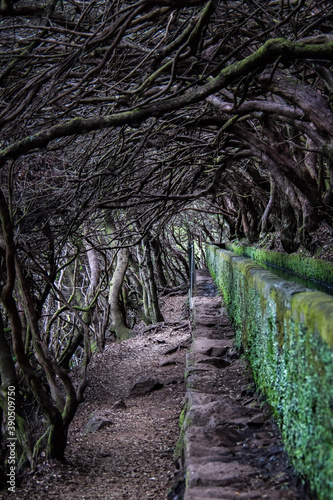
[121, 443]
[233, 448]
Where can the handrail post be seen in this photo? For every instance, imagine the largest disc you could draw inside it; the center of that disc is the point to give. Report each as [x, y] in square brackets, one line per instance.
[191, 259]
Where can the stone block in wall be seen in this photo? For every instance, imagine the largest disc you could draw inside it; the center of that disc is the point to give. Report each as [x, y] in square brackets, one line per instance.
[287, 333]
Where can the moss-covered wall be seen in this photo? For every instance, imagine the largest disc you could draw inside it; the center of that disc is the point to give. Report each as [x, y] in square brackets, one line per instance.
[287, 334]
[314, 269]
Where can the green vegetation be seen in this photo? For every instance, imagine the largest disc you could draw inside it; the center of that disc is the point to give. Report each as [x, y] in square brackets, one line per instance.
[287, 334]
[179, 449]
[315, 269]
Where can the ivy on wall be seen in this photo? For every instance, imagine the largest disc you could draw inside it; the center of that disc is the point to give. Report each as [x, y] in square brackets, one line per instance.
[314, 269]
[287, 335]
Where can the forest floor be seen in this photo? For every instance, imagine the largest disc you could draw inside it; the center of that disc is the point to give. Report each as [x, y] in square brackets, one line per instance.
[131, 456]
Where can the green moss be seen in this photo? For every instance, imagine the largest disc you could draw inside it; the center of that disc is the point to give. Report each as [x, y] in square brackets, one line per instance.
[179, 449]
[307, 402]
[316, 312]
[314, 269]
[287, 335]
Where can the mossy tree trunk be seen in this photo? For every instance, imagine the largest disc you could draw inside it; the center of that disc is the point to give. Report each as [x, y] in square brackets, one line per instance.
[9, 385]
[269, 208]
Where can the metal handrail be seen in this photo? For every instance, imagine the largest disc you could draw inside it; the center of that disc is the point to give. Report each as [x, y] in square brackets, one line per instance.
[191, 258]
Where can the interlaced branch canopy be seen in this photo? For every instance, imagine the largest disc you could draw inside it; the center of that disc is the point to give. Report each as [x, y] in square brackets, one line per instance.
[128, 127]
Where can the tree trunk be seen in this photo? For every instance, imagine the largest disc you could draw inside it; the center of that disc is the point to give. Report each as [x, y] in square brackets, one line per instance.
[141, 257]
[7, 367]
[104, 307]
[70, 349]
[156, 314]
[245, 223]
[157, 251]
[268, 209]
[56, 437]
[65, 401]
[10, 400]
[117, 319]
[289, 229]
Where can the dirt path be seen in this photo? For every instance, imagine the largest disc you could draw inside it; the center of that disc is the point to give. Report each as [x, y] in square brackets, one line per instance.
[131, 457]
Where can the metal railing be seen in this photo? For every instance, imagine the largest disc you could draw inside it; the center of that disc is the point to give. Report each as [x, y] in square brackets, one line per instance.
[191, 260]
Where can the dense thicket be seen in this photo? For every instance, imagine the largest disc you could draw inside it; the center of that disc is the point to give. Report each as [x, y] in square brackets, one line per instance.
[127, 128]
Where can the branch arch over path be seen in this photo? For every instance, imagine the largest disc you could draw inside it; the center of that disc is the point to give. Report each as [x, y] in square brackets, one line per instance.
[130, 127]
[271, 51]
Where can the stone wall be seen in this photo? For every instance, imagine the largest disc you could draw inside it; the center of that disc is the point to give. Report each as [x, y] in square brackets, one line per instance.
[314, 269]
[287, 334]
